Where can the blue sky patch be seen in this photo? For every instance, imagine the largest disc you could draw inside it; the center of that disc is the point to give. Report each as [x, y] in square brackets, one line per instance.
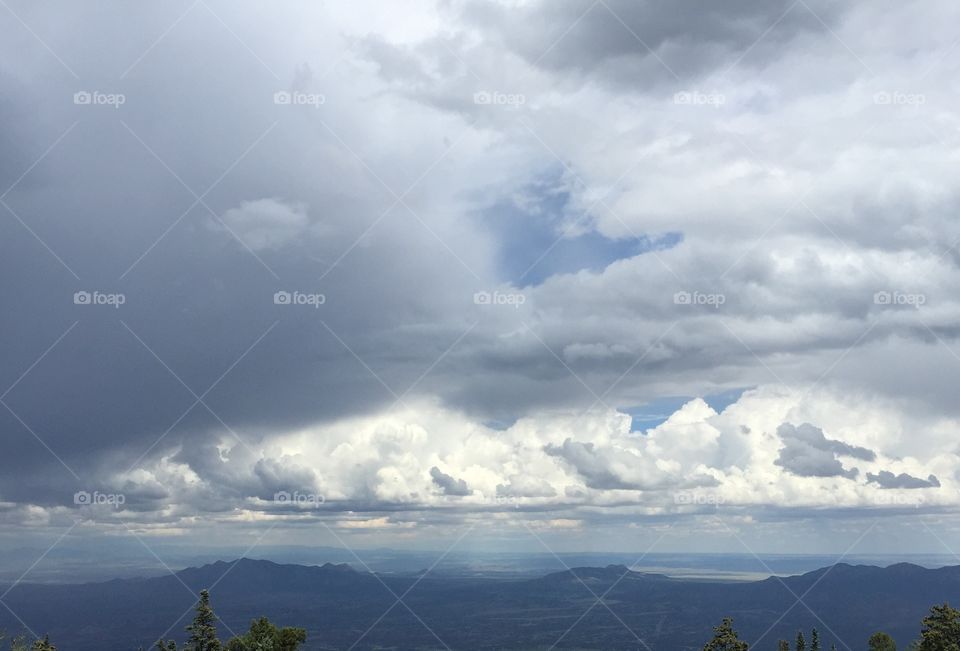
[651, 414]
[541, 235]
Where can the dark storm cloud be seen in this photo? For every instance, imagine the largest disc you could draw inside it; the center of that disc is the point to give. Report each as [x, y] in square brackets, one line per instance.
[199, 313]
[887, 479]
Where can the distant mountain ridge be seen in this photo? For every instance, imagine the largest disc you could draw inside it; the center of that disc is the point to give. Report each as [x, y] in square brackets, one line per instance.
[246, 569]
[337, 603]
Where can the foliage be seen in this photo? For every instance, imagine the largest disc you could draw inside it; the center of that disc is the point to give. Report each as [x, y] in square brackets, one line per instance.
[266, 636]
[262, 636]
[43, 645]
[203, 629]
[880, 641]
[941, 630]
[725, 638]
[19, 643]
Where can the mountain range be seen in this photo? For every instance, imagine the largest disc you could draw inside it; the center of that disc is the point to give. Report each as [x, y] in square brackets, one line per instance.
[344, 608]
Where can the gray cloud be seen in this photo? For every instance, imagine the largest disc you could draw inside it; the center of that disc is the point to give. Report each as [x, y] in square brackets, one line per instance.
[887, 479]
[808, 453]
[593, 466]
[448, 484]
[526, 486]
[610, 468]
[635, 44]
[814, 437]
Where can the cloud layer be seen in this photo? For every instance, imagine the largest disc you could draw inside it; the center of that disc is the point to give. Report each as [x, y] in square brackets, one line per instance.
[418, 263]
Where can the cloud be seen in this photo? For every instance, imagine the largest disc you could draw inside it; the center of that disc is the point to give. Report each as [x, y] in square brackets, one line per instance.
[807, 461]
[525, 486]
[887, 479]
[267, 223]
[382, 471]
[598, 469]
[808, 453]
[635, 44]
[449, 485]
[619, 467]
[814, 437]
[401, 197]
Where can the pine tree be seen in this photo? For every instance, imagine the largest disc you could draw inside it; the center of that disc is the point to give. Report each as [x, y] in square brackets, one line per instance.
[814, 640]
[43, 645]
[783, 645]
[203, 630]
[941, 630]
[266, 636]
[725, 638]
[880, 641]
[801, 642]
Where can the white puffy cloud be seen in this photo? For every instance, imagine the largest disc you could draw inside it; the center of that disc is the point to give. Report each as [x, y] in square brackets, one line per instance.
[565, 464]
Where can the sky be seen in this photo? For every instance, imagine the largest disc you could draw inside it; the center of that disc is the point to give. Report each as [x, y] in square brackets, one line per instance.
[503, 274]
